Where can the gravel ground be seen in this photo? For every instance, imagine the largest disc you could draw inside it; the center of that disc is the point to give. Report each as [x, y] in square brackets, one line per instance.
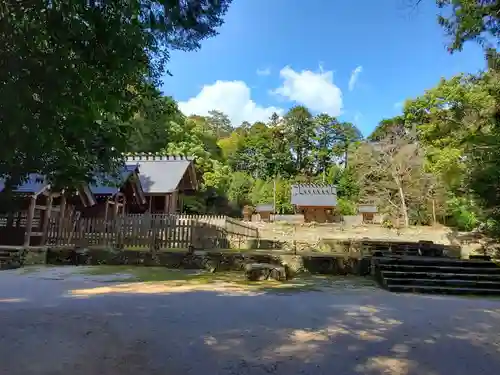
[54, 323]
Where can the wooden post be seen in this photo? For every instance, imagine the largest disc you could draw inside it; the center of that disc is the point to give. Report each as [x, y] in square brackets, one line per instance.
[174, 202]
[116, 208]
[106, 210]
[124, 206]
[46, 219]
[62, 213]
[29, 221]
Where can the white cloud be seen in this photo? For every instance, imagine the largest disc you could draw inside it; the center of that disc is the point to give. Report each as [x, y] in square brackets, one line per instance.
[354, 77]
[264, 72]
[230, 97]
[314, 90]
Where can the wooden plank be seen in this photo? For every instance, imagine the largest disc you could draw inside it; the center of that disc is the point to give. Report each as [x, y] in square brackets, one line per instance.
[62, 213]
[184, 234]
[46, 219]
[43, 208]
[168, 232]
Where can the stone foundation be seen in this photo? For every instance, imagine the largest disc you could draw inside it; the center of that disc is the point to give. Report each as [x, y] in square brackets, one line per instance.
[35, 257]
[214, 261]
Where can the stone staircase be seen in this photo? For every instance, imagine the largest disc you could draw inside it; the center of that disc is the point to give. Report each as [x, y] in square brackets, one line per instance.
[10, 258]
[423, 274]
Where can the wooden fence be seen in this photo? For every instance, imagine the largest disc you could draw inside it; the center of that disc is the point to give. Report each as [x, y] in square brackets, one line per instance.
[151, 231]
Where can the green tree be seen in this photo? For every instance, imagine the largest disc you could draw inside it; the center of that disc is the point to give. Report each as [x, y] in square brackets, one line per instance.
[219, 123]
[262, 192]
[152, 123]
[240, 188]
[263, 152]
[387, 127]
[470, 20]
[299, 129]
[327, 133]
[71, 73]
[348, 134]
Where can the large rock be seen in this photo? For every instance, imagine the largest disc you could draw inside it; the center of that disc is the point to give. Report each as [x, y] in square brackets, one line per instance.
[293, 264]
[264, 271]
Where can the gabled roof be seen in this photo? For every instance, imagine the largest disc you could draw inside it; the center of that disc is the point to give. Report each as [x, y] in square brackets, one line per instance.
[35, 184]
[367, 208]
[109, 185]
[162, 174]
[268, 207]
[312, 195]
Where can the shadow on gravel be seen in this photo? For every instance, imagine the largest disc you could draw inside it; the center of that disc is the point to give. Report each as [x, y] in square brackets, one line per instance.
[219, 328]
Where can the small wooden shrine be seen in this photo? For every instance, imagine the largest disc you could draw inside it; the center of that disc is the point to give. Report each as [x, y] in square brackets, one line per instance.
[316, 202]
[368, 212]
[264, 211]
[26, 211]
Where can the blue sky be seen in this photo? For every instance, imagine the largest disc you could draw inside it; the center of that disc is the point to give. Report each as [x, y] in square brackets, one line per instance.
[273, 54]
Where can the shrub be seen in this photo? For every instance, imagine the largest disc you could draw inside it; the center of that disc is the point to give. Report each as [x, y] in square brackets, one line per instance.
[346, 207]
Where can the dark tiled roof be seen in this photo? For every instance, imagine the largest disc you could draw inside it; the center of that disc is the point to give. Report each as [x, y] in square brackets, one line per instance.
[367, 208]
[110, 185]
[264, 207]
[314, 195]
[160, 174]
[34, 184]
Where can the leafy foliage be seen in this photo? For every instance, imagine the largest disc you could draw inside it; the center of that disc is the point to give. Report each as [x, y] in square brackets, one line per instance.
[80, 88]
[75, 73]
[471, 20]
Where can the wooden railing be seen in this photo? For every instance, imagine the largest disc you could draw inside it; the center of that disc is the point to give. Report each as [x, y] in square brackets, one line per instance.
[150, 231]
[236, 227]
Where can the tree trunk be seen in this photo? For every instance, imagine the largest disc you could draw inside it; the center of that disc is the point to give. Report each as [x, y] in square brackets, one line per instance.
[404, 209]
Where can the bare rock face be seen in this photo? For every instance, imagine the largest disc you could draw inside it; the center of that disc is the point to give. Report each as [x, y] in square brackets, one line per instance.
[293, 265]
[264, 271]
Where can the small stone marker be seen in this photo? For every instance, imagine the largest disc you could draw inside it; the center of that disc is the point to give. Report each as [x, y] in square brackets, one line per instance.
[264, 271]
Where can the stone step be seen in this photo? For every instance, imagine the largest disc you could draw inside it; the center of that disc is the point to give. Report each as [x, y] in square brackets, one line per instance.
[458, 283]
[440, 275]
[443, 289]
[435, 261]
[408, 268]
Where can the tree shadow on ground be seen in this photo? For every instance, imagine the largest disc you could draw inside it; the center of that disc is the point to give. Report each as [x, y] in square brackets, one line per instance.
[160, 327]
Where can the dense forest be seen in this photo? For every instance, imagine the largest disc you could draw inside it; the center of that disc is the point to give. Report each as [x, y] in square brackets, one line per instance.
[435, 162]
[80, 88]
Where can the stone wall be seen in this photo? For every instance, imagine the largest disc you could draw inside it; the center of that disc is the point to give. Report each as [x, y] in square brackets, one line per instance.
[355, 248]
[327, 264]
[35, 257]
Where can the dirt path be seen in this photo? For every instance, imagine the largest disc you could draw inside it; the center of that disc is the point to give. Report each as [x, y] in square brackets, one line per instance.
[55, 323]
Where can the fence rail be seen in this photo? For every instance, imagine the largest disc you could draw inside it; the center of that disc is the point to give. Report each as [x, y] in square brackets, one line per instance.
[151, 231]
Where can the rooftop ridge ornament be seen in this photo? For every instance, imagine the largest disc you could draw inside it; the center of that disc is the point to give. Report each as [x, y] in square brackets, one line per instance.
[320, 185]
[314, 189]
[149, 156]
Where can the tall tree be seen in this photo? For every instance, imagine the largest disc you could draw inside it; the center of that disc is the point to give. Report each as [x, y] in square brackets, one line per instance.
[299, 128]
[387, 127]
[219, 124]
[458, 123]
[70, 73]
[389, 170]
[152, 122]
[471, 20]
[347, 135]
[327, 133]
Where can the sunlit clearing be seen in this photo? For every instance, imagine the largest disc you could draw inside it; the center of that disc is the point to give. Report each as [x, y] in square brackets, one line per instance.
[161, 288]
[12, 300]
[387, 366]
